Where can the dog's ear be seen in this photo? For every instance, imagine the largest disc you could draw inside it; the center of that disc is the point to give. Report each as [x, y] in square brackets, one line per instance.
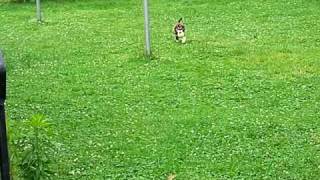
[183, 28]
[174, 29]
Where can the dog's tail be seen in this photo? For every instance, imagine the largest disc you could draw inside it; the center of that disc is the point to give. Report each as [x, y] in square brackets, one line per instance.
[180, 20]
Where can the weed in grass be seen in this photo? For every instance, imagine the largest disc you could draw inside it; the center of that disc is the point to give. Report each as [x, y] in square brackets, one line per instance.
[32, 148]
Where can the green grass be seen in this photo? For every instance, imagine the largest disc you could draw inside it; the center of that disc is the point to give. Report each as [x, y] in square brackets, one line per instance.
[239, 100]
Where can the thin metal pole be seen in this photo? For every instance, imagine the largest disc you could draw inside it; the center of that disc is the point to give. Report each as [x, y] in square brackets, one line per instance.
[147, 28]
[39, 18]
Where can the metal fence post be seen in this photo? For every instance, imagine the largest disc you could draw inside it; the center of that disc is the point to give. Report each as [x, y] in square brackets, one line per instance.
[4, 155]
[39, 18]
[147, 28]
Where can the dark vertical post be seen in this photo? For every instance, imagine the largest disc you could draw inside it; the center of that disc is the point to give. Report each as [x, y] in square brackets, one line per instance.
[4, 155]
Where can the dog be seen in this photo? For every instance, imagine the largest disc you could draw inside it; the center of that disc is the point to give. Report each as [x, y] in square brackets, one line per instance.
[179, 31]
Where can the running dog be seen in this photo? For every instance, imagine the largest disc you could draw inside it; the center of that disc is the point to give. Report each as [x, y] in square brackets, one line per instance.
[179, 31]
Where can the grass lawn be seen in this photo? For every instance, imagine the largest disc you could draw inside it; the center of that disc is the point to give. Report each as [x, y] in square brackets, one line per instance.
[241, 99]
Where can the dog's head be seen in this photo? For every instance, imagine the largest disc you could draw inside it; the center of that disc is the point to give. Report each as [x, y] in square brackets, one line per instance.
[179, 28]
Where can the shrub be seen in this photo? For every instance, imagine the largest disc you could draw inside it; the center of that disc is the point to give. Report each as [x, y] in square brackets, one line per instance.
[33, 150]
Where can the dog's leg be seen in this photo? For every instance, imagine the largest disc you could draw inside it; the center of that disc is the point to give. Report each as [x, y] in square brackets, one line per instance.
[184, 39]
[177, 39]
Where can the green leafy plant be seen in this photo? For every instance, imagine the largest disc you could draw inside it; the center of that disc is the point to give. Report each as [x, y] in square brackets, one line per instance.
[33, 150]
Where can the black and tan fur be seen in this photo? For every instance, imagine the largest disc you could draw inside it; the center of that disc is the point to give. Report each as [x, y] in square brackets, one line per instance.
[179, 31]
